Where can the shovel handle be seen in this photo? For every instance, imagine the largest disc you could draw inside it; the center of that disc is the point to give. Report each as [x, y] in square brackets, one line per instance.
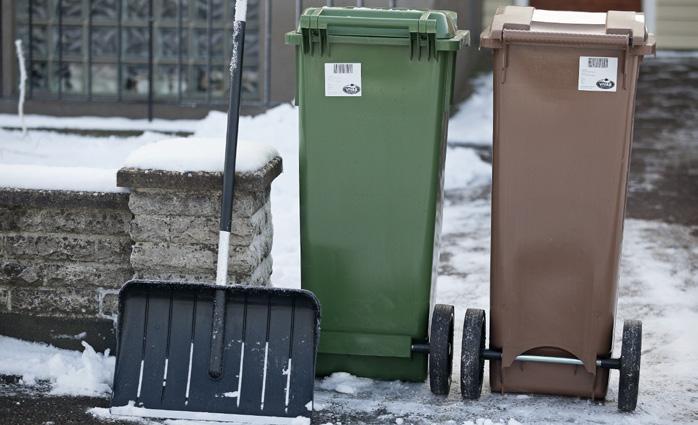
[231, 142]
[215, 366]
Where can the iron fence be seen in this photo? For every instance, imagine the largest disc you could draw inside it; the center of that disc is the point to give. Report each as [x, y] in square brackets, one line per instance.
[146, 51]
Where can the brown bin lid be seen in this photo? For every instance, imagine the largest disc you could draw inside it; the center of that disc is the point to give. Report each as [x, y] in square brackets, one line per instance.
[528, 24]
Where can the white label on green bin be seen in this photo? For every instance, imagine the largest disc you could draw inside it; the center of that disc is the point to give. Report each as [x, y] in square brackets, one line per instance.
[343, 79]
[598, 73]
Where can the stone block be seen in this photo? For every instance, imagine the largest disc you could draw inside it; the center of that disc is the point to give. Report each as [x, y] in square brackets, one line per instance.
[196, 181]
[65, 220]
[205, 204]
[262, 274]
[66, 247]
[199, 257]
[50, 302]
[197, 229]
[109, 304]
[258, 277]
[5, 300]
[27, 272]
[39, 198]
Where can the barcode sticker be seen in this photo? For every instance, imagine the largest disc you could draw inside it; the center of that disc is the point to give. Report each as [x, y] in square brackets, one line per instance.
[343, 79]
[598, 74]
[597, 62]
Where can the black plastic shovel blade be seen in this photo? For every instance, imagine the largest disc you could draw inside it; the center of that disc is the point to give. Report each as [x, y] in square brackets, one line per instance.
[164, 347]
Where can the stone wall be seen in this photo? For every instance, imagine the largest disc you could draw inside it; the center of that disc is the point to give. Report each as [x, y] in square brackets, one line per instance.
[61, 255]
[175, 224]
[64, 255]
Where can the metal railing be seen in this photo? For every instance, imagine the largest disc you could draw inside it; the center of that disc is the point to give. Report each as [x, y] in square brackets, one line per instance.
[146, 51]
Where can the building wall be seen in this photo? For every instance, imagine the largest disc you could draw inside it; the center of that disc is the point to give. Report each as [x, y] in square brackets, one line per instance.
[675, 22]
[273, 57]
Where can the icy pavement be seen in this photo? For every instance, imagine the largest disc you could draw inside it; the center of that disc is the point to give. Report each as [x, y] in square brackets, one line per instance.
[658, 282]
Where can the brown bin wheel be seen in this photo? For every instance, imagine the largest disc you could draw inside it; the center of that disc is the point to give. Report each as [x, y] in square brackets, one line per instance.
[472, 367]
[441, 349]
[630, 365]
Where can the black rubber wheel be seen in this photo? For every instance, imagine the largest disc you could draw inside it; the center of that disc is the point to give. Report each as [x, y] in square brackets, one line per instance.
[441, 349]
[472, 364]
[630, 365]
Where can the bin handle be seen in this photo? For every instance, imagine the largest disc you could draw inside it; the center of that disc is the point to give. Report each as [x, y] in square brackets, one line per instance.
[348, 21]
[521, 36]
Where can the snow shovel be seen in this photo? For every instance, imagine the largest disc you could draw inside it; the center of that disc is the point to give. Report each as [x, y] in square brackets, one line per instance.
[216, 352]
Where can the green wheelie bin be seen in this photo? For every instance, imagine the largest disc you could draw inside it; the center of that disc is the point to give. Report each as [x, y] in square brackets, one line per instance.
[374, 90]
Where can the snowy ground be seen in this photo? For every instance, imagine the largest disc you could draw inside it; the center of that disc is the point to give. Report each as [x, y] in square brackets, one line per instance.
[658, 284]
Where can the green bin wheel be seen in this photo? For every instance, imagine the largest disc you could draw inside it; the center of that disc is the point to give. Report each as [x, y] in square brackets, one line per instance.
[472, 367]
[630, 365]
[441, 349]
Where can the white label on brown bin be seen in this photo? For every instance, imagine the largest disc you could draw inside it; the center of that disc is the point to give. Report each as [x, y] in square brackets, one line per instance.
[598, 73]
[343, 79]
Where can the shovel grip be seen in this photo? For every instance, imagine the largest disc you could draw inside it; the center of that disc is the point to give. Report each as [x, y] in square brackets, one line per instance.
[215, 364]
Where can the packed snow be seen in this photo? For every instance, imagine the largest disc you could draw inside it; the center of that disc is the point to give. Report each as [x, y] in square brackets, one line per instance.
[658, 284]
[199, 154]
[50, 160]
[98, 123]
[68, 372]
[472, 122]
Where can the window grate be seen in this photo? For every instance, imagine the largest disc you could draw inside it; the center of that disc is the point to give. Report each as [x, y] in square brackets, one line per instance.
[153, 51]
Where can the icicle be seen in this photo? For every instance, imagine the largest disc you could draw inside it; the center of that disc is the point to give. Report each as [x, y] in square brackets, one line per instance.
[22, 84]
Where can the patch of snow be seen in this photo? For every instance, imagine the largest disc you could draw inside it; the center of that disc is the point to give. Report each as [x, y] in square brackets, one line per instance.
[103, 414]
[678, 54]
[318, 406]
[186, 417]
[76, 337]
[48, 160]
[199, 154]
[345, 383]
[98, 123]
[465, 168]
[486, 421]
[69, 372]
[81, 179]
[472, 122]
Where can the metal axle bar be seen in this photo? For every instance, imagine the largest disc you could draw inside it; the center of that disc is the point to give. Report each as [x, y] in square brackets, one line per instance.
[603, 363]
[420, 348]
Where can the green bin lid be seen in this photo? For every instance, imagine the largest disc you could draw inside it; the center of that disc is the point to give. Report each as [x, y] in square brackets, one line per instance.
[392, 23]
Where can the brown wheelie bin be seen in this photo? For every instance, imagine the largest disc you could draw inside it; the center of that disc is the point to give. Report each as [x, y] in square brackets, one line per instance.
[564, 93]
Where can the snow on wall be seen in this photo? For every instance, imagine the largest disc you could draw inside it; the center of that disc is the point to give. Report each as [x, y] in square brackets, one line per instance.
[199, 154]
[87, 179]
[48, 160]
